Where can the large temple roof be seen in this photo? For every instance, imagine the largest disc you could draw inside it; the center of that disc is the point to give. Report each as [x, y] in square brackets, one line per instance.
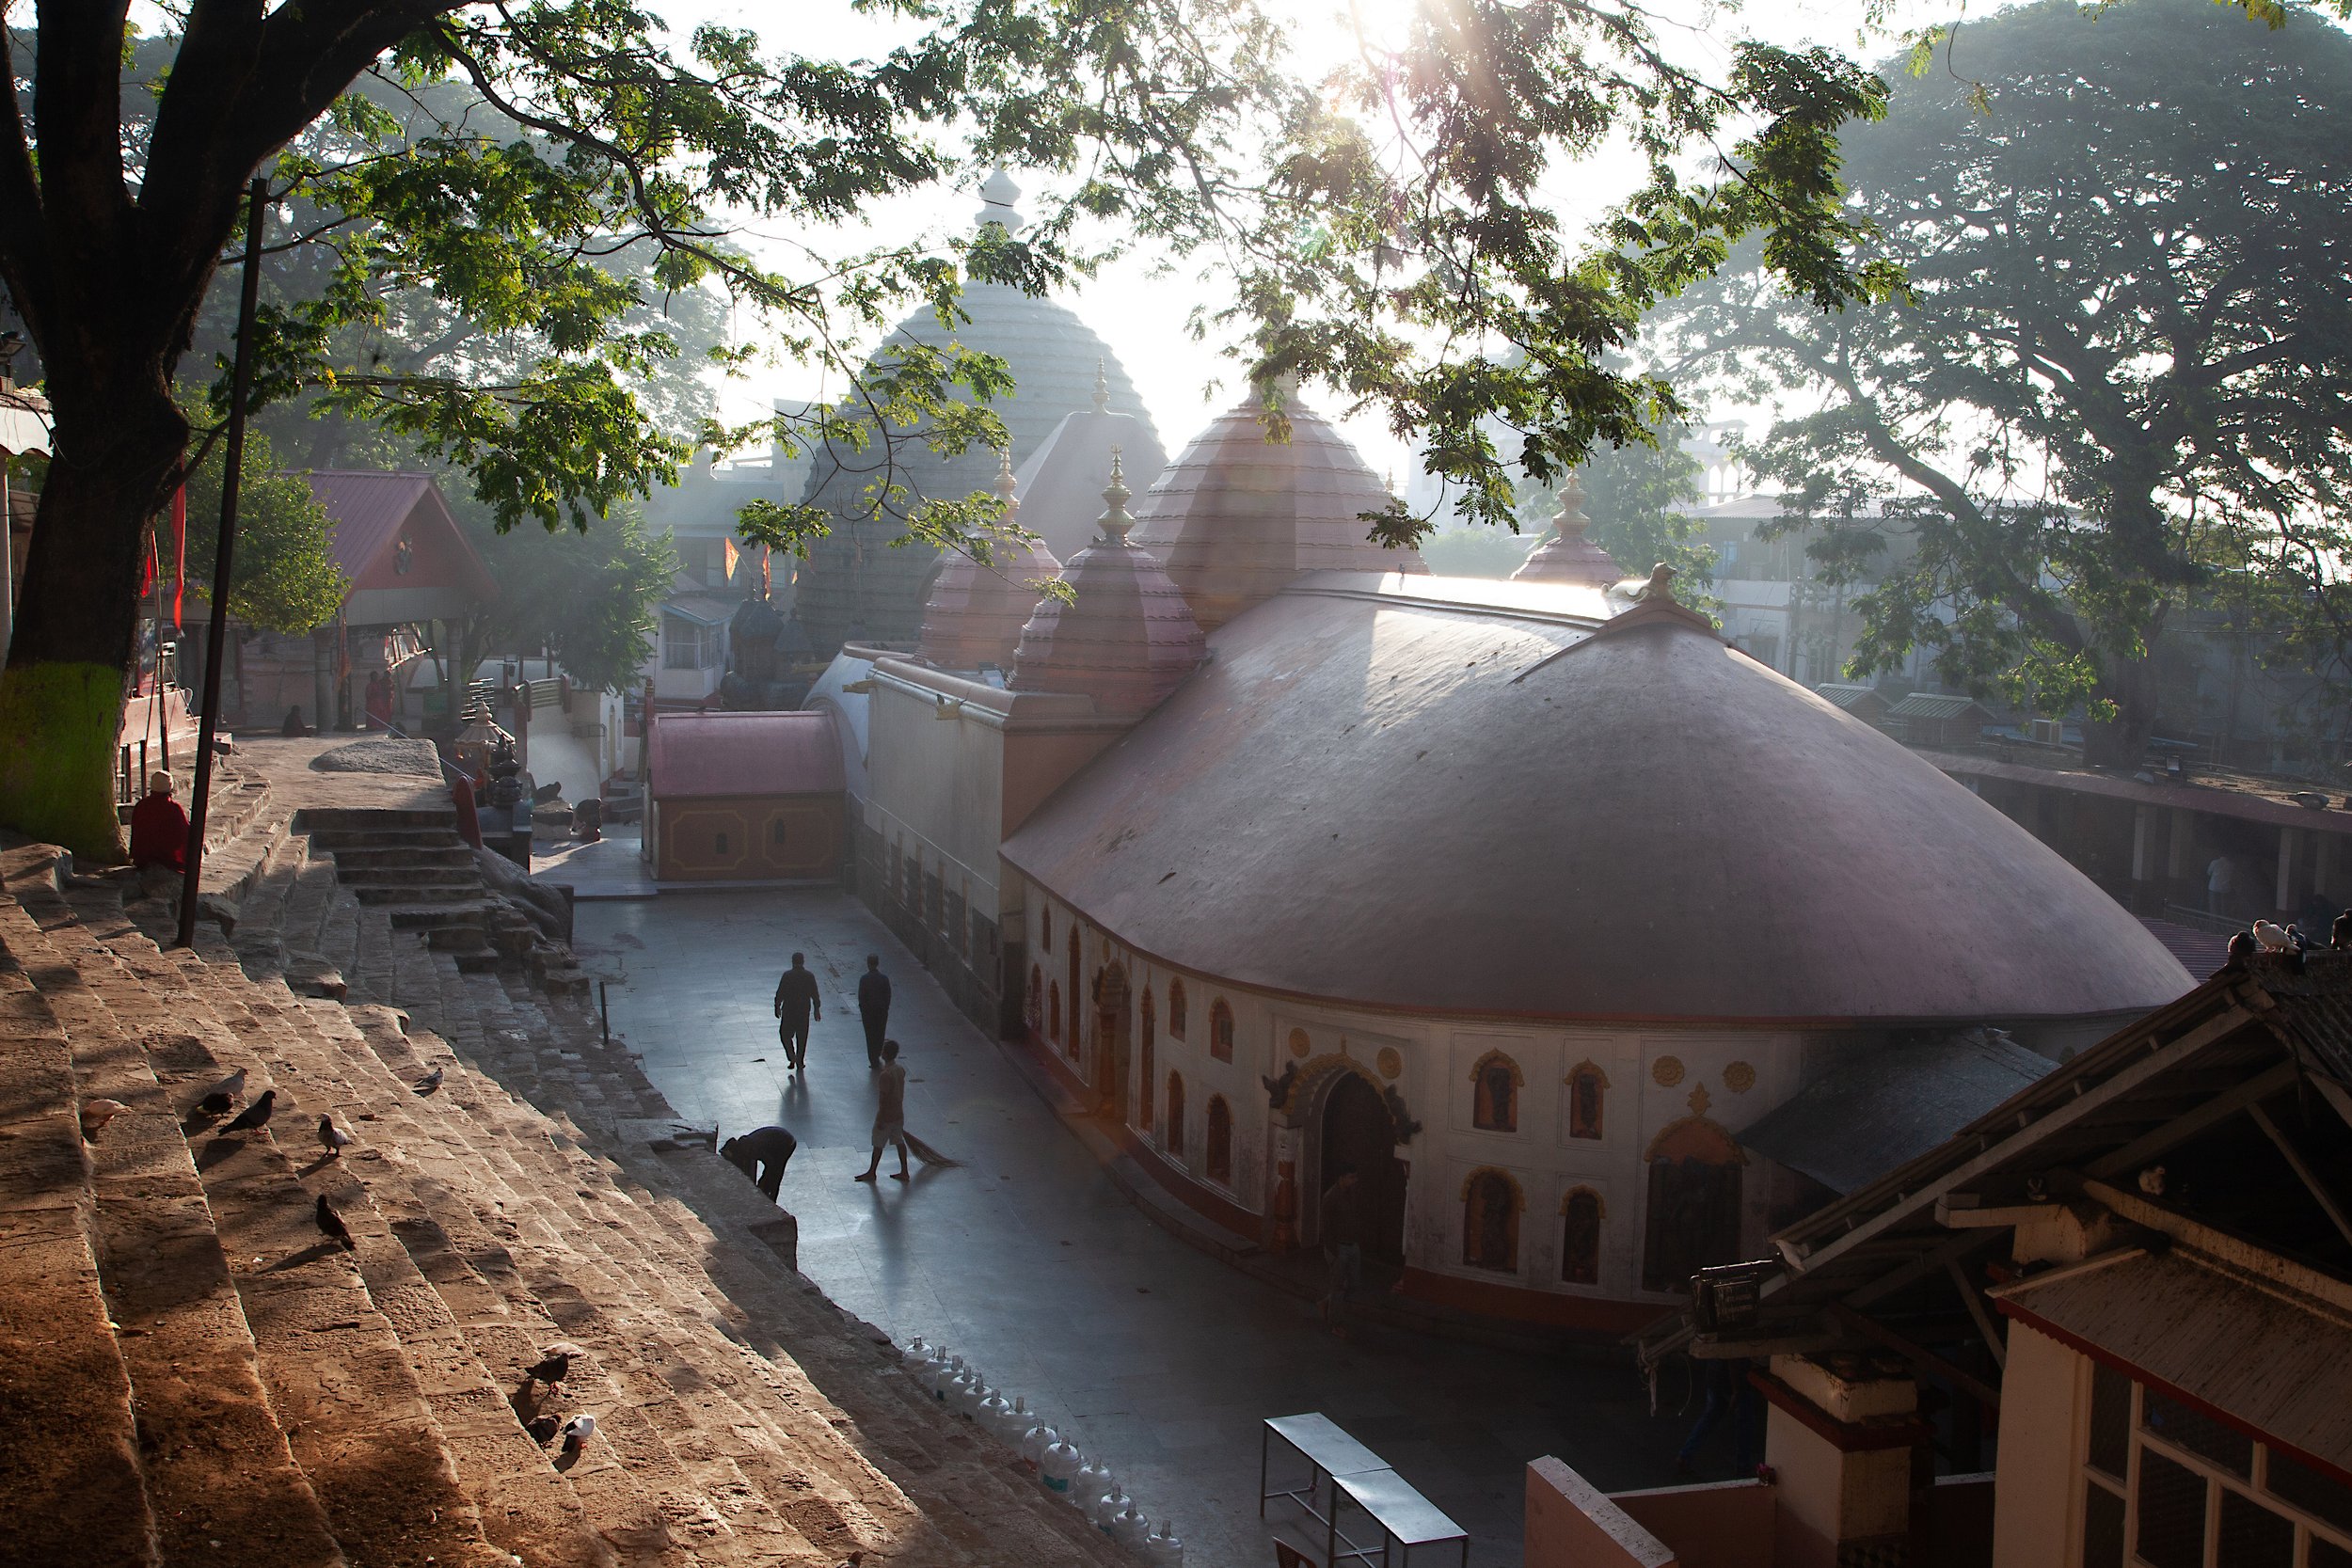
[1458, 797]
[1236, 516]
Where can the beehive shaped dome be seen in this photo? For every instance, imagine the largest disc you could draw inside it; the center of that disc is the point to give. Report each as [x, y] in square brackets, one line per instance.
[1125, 637]
[1238, 516]
[1565, 555]
[976, 611]
[1062, 480]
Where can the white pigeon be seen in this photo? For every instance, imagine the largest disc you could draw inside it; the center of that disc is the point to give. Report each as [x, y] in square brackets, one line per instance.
[2272, 936]
[333, 1138]
[577, 1431]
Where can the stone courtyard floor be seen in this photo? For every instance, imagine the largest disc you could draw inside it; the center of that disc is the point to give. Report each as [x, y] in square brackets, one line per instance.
[1030, 1263]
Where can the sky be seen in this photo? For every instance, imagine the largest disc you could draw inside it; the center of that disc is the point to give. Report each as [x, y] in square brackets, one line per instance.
[1140, 315]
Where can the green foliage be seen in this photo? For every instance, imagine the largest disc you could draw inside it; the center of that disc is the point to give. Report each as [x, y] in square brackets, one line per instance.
[1639, 497]
[2121, 367]
[587, 598]
[284, 577]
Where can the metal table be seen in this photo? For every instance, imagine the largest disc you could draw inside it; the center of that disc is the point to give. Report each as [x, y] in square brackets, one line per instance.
[1406, 1519]
[1328, 1452]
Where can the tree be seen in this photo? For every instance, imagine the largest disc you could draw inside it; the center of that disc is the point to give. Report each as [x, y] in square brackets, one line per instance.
[285, 578]
[586, 598]
[1372, 217]
[2123, 367]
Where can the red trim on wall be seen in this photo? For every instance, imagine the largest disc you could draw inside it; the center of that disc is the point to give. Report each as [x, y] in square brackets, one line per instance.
[2081, 1346]
[1520, 1305]
[1179, 1184]
[1845, 1436]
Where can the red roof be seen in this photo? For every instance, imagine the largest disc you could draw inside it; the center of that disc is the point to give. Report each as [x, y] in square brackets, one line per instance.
[366, 510]
[700, 755]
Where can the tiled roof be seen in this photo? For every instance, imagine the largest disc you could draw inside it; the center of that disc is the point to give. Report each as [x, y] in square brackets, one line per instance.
[743, 753]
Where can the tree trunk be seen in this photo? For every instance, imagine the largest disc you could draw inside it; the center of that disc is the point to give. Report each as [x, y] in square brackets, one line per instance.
[2122, 741]
[61, 695]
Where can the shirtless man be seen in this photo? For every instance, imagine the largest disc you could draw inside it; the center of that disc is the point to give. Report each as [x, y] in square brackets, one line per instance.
[890, 1115]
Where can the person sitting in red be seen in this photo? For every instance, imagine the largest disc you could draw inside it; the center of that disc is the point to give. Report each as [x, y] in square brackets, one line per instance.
[159, 834]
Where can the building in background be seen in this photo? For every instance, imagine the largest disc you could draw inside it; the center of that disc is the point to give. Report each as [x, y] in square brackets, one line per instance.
[742, 798]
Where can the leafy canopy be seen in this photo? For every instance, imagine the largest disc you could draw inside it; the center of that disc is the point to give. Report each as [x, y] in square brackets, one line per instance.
[2121, 369]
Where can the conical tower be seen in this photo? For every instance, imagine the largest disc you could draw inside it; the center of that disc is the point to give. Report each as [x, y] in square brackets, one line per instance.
[1565, 555]
[976, 613]
[1124, 637]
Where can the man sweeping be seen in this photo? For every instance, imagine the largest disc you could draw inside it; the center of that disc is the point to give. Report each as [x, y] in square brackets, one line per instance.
[890, 1120]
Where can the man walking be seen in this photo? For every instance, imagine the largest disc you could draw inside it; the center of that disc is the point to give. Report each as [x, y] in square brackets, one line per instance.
[796, 1004]
[873, 1009]
[761, 1155]
[890, 1114]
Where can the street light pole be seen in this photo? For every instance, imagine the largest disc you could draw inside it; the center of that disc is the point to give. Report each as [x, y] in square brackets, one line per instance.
[224, 556]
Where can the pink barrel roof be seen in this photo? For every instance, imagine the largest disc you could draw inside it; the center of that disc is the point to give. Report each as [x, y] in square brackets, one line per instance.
[366, 512]
[744, 753]
[1440, 795]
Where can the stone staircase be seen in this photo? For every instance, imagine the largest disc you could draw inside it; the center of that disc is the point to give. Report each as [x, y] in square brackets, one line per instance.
[191, 1373]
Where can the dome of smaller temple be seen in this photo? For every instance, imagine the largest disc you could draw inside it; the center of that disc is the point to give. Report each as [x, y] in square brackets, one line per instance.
[976, 613]
[1125, 638]
[1236, 516]
[1062, 483]
[1565, 555]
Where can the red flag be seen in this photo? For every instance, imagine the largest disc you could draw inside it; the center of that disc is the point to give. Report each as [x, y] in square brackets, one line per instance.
[147, 583]
[180, 547]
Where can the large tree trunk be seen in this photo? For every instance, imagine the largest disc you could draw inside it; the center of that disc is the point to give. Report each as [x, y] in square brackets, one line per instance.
[61, 695]
[2122, 741]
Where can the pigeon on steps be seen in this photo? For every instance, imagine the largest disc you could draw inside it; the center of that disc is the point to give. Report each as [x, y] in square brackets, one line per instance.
[556, 1364]
[332, 1227]
[430, 1081]
[333, 1138]
[577, 1432]
[222, 1095]
[256, 1116]
[96, 1113]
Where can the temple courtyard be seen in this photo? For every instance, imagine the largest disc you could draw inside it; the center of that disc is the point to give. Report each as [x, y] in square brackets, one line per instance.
[1153, 1356]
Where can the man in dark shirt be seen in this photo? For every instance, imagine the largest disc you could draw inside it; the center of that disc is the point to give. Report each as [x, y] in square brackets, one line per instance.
[873, 1009]
[761, 1155]
[796, 1004]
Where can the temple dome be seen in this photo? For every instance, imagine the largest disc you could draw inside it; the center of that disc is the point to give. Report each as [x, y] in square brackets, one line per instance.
[1565, 555]
[854, 581]
[1125, 638]
[976, 613]
[1451, 797]
[1061, 483]
[1236, 516]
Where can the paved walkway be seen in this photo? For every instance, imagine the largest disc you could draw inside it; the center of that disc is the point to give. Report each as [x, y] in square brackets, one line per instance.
[1028, 1261]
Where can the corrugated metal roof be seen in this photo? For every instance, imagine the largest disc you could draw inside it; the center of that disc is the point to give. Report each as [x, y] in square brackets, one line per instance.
[701, 754]
[365, 511]
[705, 609]
[1884, 1108]
[2200, 952]
[1934, 705]
[2270, 1359]
[1850, 697]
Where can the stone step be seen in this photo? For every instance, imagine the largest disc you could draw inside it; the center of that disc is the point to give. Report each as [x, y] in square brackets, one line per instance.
[361, 819]
[330, 1361]
[218, 1474]
[382, 836]
[75, 1492]
[458, 857]
[416, 888]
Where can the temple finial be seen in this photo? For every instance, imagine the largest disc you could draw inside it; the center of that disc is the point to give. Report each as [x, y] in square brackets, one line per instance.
[1102, 389]
[997, 196]
[1572, 522]
[1005, 485]
[1116, 522]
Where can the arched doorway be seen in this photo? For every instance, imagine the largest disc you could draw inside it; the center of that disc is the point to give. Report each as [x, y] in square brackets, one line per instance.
[1359, 1136]
[1695, 1202]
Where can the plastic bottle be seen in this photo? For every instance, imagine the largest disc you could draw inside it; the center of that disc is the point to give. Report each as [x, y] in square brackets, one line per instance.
[1057, 1467]
[1035, 1440]
[1130, 1528]
[970, 1393]
[994, 1415]
[1162, 1549]
[1108, 1507]
[942, 1379]
[1087, 1486]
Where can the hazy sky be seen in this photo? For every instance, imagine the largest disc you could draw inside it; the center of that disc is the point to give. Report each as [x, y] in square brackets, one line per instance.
[1139, 316]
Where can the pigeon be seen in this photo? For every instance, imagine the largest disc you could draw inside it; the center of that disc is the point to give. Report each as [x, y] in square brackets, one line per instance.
[96, 1113]
[256, 1116]
[223, 1094]
[2242, 947]
[543, 1428]
[577, 1432]
[556, 1366]
[430, 1081]
[332, 1227]
[2272, 936]
[2340, 934]
[333, 1138]
[2152, 1181]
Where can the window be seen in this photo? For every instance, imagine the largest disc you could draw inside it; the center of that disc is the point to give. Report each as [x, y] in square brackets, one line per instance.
[1035, 1001]
[2167, 1485]
[1490, 1220]
[1588, 1089]
[686, 645]
[1174, 1142]
[1219, 1153]
[1220, 1030]
[1175, 1009]
[1053, 1010]
[1070, 1044]
[1581, 1213]
[1144, 1079]
[1495, 1081]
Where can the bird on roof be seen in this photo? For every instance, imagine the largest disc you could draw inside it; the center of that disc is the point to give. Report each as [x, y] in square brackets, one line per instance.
[577, 1431]
[431, 1081]
[543, 1428]
[255, 1115]
[1660, 584]
[2272, 936]
[217, 1100]
[333, 1138]
[96, 1113]
[2242, 947]
[2152, 1181]
[331, 1225]
[556, 1364]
